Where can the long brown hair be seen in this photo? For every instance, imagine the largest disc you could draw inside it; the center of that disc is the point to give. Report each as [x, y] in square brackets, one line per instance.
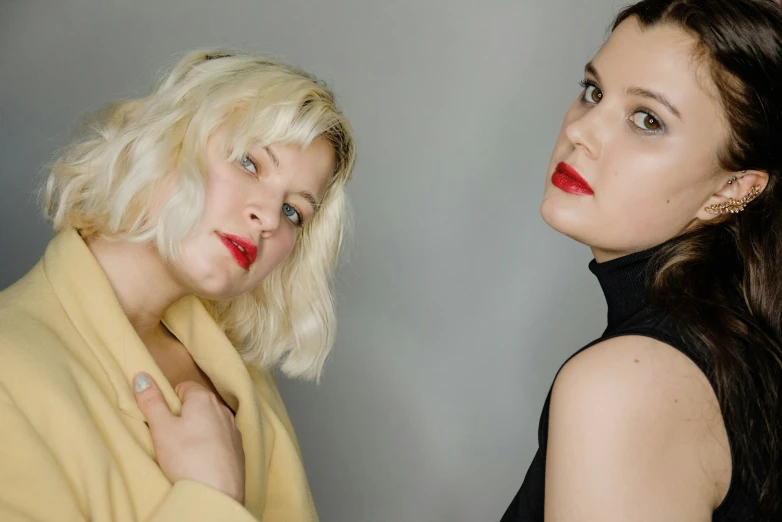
[720, 282]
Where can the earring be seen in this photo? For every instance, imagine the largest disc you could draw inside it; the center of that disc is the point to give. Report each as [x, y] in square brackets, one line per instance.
[731, 180]
[733, 206]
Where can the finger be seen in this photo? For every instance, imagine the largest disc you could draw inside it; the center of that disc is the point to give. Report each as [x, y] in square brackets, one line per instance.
[228, 413]
[150, 400]
[188, 389]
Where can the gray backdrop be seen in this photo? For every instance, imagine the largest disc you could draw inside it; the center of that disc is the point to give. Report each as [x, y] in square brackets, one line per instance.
[457, 303]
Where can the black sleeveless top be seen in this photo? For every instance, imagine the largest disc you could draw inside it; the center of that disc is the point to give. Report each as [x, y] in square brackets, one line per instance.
[623, 282]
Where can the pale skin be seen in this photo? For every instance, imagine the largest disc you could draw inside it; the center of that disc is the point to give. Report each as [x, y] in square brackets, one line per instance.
[263, 197]
[635, 429]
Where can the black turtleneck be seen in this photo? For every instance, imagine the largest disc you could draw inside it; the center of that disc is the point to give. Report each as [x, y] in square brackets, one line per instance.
[624, 282]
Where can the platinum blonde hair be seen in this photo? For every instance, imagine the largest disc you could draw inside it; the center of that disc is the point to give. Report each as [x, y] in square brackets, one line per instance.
[109, 180]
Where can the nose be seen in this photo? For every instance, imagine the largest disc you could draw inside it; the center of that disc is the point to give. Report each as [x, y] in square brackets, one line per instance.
[263, 212]
[585, 131]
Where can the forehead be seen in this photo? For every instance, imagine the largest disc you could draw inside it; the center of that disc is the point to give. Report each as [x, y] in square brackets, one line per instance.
[318, 154]
[312, 166]
[662, 58]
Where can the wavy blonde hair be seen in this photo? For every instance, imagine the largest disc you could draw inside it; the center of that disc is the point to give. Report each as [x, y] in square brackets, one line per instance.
[107, 180]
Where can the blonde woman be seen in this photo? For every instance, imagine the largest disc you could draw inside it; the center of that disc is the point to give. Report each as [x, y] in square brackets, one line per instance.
[197, 229]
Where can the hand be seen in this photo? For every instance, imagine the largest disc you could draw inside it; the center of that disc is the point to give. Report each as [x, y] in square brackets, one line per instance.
[201, 444]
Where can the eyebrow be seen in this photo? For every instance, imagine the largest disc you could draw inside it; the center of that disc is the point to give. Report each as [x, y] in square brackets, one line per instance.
[310, 199]
[589, 68]
[304, 194]
[273, 157]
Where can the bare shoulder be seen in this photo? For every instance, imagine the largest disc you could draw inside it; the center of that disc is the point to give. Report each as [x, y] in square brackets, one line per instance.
[634, 414]
[643, 367]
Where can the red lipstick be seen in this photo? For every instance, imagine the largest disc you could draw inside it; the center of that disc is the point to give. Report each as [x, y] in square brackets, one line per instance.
[566, 178]
[242, 249]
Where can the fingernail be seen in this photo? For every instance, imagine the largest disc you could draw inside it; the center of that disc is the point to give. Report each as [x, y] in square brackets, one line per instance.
[141, 383]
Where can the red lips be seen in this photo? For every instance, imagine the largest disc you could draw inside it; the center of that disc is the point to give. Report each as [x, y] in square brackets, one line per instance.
[567, 179]
[242, 249]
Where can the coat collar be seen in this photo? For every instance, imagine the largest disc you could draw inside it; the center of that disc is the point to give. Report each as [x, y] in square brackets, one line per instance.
[89, 301]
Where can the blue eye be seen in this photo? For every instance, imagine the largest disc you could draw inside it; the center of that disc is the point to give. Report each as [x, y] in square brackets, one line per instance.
[247, 163]
[292, 214]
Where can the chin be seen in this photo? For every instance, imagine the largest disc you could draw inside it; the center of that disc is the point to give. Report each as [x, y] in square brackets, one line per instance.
[212, 285]
[222, 287]
[213, 292]
[556, 215]
[567, 221]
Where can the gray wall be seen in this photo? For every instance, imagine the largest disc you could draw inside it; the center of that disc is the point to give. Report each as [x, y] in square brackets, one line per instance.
[457, 303]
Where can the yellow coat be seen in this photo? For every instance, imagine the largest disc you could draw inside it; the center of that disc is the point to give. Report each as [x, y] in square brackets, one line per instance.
[73, 444]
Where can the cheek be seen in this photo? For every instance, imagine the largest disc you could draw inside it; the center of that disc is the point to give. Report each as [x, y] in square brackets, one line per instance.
[277, 250]
[274, 253]
[224, 190]
[286, 244]
[650, 180]
[634, 197]
[646, 208]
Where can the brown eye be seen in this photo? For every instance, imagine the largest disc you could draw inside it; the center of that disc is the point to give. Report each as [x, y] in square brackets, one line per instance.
[592, 94]
[647, 122]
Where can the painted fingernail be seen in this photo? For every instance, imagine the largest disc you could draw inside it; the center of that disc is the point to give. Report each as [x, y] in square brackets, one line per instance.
[141, 383]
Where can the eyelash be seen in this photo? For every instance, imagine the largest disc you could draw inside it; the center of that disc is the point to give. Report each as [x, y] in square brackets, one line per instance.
[249, 158]
[588, 83]
[584, 84]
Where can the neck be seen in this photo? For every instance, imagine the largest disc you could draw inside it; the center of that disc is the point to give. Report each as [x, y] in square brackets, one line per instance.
[604, 256]
[141, 281]
[625, 282]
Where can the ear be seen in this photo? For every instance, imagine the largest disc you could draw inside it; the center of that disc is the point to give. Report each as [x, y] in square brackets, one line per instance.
[740, 187]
